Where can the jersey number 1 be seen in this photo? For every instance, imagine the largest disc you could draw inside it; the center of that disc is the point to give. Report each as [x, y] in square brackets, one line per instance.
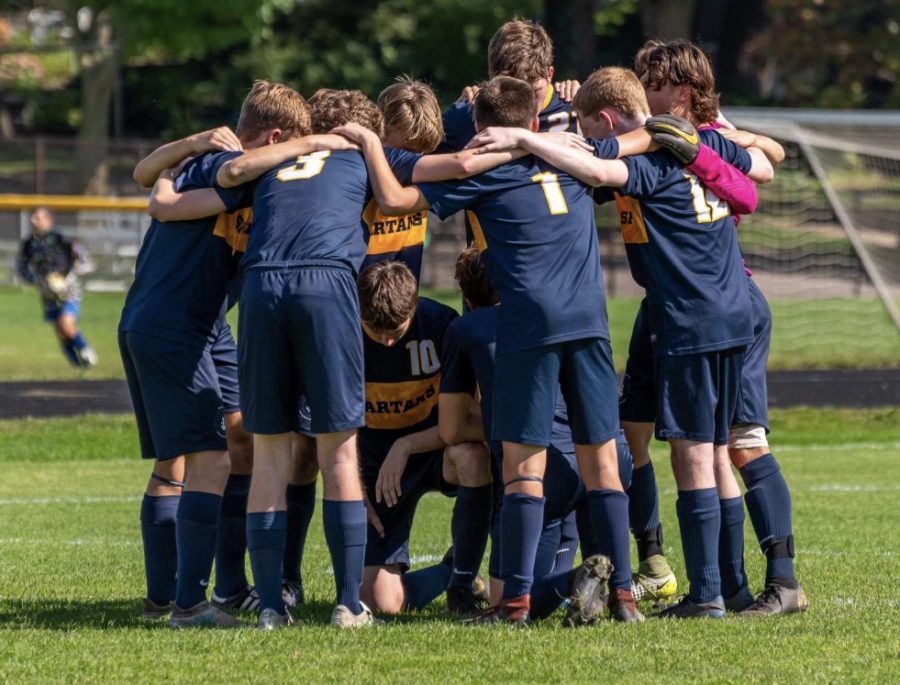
[556, 201]
[307, 166]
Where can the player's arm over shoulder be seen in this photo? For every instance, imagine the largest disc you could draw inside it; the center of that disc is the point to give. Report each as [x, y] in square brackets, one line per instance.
[171, 154]
[167, 204]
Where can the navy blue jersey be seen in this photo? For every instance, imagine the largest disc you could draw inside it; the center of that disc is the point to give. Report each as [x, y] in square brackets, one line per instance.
[310, 209]
[403, 381]
[535, 227]
[397, 238]
[185, 269]
[459, 126]
[683, 240]
[467, 360]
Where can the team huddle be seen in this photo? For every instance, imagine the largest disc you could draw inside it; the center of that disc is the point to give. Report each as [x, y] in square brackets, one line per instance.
[313, 215]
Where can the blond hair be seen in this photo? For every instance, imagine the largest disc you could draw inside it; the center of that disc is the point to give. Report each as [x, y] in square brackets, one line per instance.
[613, 87]
[521, 49]
[271, 105]
[411, 113]
[332, 108]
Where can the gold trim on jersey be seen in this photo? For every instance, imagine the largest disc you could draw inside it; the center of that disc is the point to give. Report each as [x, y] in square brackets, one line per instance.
[393, 233]
[400, 405]
[631, 220]
[477, 231]
[234, 227]
[547, 98]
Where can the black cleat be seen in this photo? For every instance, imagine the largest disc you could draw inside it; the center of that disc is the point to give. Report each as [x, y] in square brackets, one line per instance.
[463, 601]
[777, 599]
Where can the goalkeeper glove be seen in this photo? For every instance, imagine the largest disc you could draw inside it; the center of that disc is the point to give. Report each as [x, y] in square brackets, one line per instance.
[676, 135]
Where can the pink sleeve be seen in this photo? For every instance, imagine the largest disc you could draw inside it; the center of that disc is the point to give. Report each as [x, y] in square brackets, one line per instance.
[727, 182]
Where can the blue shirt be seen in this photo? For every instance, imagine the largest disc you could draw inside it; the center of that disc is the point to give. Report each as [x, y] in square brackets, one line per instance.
[535, 228]
[397, 238]
[459, 125]
[467, 359]
[185, 269]
[308, 210]
[683, 241]
[403, 381]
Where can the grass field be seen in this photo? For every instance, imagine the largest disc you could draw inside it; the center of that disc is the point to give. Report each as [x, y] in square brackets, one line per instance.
[71, 581]
[821, 334]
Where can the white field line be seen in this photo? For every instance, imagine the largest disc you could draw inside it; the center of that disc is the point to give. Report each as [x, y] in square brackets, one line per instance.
[33, 501]
[835, 447]
[70, 543]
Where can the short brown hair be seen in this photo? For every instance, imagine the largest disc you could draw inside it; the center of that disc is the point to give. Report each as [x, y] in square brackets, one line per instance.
[388, 294]
[332, 108]
[613, 87]
[504, 101]
[521, 49]
[273, 105]
[473, 279]
[682, 64]
[411, 110]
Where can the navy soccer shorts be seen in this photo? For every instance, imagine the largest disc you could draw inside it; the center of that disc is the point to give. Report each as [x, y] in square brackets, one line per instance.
[224, 355]
[697, 395]
[424, 473]
[175, 393]
[753, 404]
[526, 383]
[637, 397]
[300, 333]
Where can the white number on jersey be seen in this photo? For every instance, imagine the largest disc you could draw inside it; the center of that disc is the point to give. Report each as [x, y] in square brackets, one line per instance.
[556, 201]
[423, 357]
[307, 166]
[707, 205]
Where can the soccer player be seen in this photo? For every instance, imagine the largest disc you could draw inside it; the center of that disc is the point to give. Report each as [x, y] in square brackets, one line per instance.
[402, 454]
[468, 364]
[171, 324]
[678, 78]
[536, 229]
[53, 264]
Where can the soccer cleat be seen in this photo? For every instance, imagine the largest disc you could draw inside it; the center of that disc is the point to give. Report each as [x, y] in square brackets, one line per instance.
[292, 593]
[155, 612]
[202, 615]
[342, 617]
[654, 580]
[512, 611]
[269, 619]
[688, 608]
[463, 601]
[87, 357]
[740, 600]
[246, 600]
[622, 607]
[480, 589]
[777, 599]
[586, 596]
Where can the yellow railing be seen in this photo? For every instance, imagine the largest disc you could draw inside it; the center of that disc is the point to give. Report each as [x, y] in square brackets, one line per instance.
[72, 203]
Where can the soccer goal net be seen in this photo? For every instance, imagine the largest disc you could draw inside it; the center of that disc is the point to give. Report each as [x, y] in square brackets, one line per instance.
[824, 245]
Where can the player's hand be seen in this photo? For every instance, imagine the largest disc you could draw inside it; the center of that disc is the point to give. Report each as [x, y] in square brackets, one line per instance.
[372, 517]
[355, 133]
[331, 141]
[468, 94]
[676, 135]
[568, 139]
[567, 89]
[56, 284]
[387, 487]
[742, 139]
[496, 139]
[221, 138]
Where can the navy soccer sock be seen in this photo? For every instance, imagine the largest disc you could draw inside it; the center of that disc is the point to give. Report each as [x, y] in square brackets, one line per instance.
[609, 517]
[71, 352]
[78, 342]
[700, 517]
[345, 533]
[731, 546]
[301, 503]
[422, 587]
[265, 543]
[196, 525]
[769, 504]
[521, 520]
[470, 526]
[567, 549]
[160, 550]
[643, 511]
[549, 593]
[231, 546]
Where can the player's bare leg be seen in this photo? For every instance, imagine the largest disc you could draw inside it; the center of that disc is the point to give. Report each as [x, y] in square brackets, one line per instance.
[608, 507]
[382, 589]
[158, 534]
[301, 503]
[70, 339]
[769, 504]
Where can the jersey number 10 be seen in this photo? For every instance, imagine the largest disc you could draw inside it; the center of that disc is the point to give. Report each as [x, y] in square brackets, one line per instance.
[423, 357]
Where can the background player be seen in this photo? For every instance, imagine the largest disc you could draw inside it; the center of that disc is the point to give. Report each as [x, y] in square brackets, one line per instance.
[52, 263]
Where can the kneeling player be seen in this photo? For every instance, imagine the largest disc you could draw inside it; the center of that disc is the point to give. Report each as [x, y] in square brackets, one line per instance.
[402, 454]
